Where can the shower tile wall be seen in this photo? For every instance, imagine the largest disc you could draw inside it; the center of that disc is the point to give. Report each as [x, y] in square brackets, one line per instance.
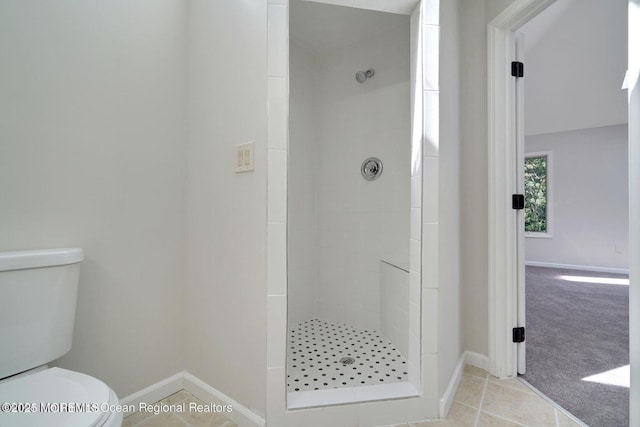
[341, 225]
[302, 186]
[362, 222]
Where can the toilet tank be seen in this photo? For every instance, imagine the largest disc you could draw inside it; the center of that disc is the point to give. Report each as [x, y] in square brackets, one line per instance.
[38, 292]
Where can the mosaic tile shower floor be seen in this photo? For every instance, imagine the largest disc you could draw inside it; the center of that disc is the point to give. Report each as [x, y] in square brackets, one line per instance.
[324, 355]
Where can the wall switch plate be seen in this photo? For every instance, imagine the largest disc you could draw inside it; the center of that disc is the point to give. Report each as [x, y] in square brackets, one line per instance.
[244, 159]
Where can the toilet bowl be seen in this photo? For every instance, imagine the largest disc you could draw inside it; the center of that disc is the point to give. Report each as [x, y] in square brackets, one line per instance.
[37, 316]
[58, 397]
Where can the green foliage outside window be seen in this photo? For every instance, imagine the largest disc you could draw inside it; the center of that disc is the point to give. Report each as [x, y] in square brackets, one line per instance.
[535, 194]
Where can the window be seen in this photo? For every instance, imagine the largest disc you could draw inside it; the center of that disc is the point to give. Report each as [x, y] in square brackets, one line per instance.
[537, 201]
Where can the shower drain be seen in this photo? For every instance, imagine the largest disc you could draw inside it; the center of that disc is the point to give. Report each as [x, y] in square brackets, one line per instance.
[347, 361]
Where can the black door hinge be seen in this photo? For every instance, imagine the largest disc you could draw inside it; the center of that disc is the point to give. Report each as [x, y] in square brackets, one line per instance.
[517, 69]
[518, 334]
[517, 201]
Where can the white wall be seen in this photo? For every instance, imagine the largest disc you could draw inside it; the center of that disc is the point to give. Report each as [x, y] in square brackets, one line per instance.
[92, 155]
[302, 188]
[110, 108]
[473, 172]
[361, 222]
[449, 294]
[225, 305]
[589, 182]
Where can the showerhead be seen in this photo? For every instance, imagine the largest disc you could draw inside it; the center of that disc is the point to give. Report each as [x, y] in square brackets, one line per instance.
[362, 76]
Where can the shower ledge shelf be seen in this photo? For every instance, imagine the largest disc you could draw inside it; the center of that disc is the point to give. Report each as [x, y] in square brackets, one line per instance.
[315, 398]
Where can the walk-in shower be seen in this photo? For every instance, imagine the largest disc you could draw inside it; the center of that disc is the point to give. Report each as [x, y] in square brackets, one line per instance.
[348, 223]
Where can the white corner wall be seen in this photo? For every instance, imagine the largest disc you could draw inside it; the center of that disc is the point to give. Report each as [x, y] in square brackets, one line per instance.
[590, 203]
[225, 296]
[92, 155]
[474, 175]
[450, 347]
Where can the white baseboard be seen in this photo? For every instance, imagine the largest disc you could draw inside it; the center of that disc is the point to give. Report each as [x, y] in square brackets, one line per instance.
[155, 392]
[578, 267]
[203, 391]
[447, 398]
[476, 359]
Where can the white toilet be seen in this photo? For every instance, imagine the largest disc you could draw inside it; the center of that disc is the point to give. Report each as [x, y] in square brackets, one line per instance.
[38, 292]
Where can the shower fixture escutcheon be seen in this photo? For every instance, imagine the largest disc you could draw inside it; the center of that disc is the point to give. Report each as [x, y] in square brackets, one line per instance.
[371, 168]
[362, 76]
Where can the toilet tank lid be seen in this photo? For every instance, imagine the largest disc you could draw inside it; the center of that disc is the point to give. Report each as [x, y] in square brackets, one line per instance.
[20, 260]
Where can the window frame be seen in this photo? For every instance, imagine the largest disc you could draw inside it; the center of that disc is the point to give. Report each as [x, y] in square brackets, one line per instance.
[549, 210]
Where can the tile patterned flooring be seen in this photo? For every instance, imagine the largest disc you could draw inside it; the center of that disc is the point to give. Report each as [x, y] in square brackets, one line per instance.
[316, 350]
[174, 419]
[481, 401]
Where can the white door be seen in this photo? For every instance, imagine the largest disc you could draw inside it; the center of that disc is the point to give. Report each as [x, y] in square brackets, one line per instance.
[519, 132]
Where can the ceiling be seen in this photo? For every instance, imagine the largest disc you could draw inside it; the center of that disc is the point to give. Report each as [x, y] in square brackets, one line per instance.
[575, 60]
[404, 7]
[324, 27]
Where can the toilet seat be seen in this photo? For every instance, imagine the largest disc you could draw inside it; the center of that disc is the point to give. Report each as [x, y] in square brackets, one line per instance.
[59, 386]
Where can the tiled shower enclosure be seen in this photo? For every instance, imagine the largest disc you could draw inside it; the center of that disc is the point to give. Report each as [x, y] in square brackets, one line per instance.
[331, 233]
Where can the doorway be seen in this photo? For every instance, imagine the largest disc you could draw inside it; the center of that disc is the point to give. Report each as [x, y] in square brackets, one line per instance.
[503, 244]
[575, 247]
